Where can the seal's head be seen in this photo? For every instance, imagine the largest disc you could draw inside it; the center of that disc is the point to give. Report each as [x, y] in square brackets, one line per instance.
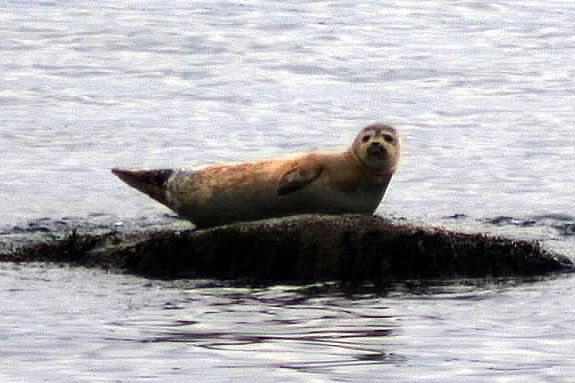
[378, 147]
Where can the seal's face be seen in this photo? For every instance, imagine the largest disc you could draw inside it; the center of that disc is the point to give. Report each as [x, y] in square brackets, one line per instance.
[378, 147]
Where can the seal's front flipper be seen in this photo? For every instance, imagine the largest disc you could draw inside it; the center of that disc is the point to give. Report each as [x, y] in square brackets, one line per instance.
[149, 181]
[297, 178]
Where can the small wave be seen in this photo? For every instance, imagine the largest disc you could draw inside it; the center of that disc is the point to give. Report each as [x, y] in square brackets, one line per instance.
[92, 222]
[555, 217]
[567, 229]
[506, 220]
[564, 224]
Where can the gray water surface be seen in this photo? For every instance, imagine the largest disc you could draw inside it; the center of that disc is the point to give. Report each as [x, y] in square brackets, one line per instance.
[87, 325]
[482, 93]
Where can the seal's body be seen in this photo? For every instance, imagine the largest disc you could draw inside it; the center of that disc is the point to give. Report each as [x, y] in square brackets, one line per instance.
[353, 181]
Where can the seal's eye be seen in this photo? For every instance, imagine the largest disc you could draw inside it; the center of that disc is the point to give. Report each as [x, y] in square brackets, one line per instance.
[365, 138]
[388, 138]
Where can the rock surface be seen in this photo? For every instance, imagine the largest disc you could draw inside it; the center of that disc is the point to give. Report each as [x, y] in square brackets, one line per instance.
[349, 249]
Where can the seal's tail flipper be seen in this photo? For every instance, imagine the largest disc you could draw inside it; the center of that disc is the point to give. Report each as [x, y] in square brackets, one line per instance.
[149, 181]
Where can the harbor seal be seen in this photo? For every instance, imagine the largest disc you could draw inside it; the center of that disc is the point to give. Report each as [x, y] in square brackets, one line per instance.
[352, 181]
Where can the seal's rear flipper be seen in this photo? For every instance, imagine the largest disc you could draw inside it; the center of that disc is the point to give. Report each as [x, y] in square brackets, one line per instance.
[149, 181]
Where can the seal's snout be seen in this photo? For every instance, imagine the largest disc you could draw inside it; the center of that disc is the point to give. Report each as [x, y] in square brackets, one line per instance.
[376, 149]
[149, 181]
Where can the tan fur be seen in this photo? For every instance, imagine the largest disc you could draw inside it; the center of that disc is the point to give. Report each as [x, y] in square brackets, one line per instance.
[353, 181]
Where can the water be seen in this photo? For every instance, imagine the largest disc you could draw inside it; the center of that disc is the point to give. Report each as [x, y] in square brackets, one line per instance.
[123, 328]
[481, 93]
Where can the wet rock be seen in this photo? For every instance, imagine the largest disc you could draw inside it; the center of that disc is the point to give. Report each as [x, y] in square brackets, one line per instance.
[350, 249]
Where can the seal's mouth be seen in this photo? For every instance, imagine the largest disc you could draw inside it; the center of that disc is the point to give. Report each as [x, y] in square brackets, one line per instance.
[377, 151]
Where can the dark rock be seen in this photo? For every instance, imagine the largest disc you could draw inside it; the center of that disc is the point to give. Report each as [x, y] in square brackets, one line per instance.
[350, 249]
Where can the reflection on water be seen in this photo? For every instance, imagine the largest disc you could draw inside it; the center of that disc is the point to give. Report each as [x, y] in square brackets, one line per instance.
[87, 323]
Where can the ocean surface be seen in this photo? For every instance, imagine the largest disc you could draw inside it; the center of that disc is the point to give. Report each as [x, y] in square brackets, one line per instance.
[483, 94]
